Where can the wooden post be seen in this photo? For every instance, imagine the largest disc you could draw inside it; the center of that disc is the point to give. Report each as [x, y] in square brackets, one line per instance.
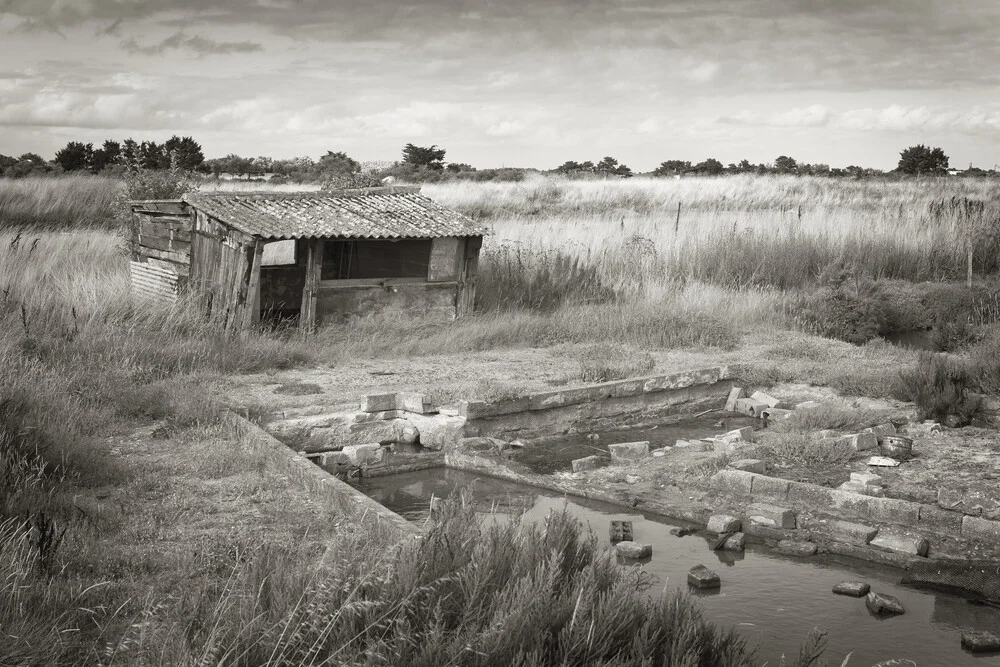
[251, 302]
[677, 222]
[307, 315]
[968, 278]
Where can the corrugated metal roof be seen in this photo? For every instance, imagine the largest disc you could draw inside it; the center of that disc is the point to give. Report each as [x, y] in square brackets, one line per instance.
[311, 215]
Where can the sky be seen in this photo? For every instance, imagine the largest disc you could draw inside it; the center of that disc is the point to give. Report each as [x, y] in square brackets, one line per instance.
[524, 83]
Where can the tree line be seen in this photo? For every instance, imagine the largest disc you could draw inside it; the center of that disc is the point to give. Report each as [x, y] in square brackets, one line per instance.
[417, 163]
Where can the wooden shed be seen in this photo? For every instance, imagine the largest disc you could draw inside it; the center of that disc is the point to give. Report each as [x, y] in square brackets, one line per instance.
[319, 256]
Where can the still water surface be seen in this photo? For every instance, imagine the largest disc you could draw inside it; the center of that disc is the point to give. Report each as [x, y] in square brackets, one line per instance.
[773, 600]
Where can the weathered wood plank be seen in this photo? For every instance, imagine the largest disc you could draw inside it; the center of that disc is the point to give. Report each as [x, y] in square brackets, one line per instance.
[168, 255]
[164, 243]
[307, 313]
[182, 270]
[181, 230]
[251, 308]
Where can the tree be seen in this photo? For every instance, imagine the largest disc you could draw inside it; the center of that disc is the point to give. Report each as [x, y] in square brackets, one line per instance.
[108, 154]
[785, 165]
[922, 159]
[75, 156]
[430, 157]
[189, 155]
[672, 168]
[459, 167]
[711, 166]
[6, 161]
[152, 156]
[334, 165]
[609, 166]
[28, 164]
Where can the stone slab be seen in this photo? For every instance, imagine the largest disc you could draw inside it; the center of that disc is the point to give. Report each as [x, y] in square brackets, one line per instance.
[721, 524]
[848, 531]
[977, 528]
[701, 577]
[735, 394]
[883, 510]
[939, 520]
[370, 454]
[980, 641]
[781, 516]
[735, 482]
[750, 465]
[622, 452]
[773, 488]
[404, 401]
[854, 589]
[767, 399]
[914, 545]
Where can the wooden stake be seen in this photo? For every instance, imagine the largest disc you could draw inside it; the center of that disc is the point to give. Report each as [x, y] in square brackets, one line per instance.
[677, 222]
[307, 313]
[968, 279]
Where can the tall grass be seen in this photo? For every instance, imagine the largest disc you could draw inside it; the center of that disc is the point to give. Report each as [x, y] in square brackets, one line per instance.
[66, 202]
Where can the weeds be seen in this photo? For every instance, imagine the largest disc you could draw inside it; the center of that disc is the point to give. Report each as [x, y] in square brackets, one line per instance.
[942, 390]
[602, 363]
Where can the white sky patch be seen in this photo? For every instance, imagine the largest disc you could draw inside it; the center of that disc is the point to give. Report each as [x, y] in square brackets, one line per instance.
[701, 72]
[505, 128]
[648, 126]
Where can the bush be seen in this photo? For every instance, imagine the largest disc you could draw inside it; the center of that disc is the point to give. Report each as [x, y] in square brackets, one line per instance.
[940, 387]
[838, 312]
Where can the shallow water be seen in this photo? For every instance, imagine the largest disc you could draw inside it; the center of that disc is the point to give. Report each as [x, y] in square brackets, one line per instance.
[914, 340]
[773, 600]
[557, 453]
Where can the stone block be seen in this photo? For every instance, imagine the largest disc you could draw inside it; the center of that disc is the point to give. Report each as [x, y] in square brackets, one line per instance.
[866, 478]
[620, 531]
[590, 463]
[735, 394]
[750, 407]
[657, 453]
[881, 430]
[883, 510]
[449, 411]
[735, 542]
[855, 589]
[974, 502]
[721, 524]
[629, 451]
[767, 399]
[905, 544]
[438, 432]
[405, 401]
[980, 641]
[809, 495]
[859, 442]
[370, 454]
[557, 399]
[634, 550]
[750, 465]
[795, 548]
[770, 487]
[881, 604]
[781, 516]
[701, 577]
[939, 520]
[735, 482]
[977, 528]
[853, 533]
[378, 403]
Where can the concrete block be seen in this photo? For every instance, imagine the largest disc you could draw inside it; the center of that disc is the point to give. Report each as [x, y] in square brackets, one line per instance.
[735, 482]
[854, 533]
[977, 528]
[881, 604]
[769, 487]
[781, 516]
[794, 548]
[860, 442]
[750, 465]
[590, 463]
[634, 550]
[735, 394]
[620, 531]
[750, 407]
[855, 589]
[370, 454]
[629, 451]
[769, 400]
[721, 524]
[939, 520]
[701, 577]
[900, 543]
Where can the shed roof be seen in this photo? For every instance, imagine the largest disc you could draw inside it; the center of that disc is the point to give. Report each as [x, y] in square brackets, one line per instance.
[373, 214]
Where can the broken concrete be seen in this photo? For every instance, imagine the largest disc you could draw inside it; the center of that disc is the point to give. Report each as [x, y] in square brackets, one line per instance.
[900, 543]
[782, 517]
[855, 589]
[701, 577]
[735, 394]
[720, 524]
[634, 550]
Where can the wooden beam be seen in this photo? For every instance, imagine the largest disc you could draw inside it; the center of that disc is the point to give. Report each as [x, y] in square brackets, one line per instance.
[251, 308]
[314, 260]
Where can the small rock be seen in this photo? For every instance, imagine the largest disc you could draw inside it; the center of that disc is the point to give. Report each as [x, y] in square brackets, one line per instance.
[634, 550]
[658, 453]
[749, 465]
[682, 532]
[855, 589]
[952, 421]
[632, 479]
[593, 437]
[721, 524]
[408, 433]
[701, 577]
[629, 451]
[682, 443]
[793, 548]
[980, 642]
[879, 603]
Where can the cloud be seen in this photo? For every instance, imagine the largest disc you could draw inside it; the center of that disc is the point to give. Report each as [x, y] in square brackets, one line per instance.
[893, 118]
[505, 128]
[701, 72]
[648, 126]
[202, 46]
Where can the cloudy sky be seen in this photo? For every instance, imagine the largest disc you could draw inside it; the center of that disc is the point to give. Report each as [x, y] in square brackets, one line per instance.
[509, 82]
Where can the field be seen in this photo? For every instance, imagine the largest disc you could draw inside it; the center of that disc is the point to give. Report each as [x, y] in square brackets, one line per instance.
[754, 266]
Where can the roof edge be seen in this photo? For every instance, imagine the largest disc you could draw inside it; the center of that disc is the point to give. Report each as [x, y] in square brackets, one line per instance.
[304, 194]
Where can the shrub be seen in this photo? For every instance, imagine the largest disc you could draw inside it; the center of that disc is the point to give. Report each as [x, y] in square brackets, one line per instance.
[940, 387]
[835, 417]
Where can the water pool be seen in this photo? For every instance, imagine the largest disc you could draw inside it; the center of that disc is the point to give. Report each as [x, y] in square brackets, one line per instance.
[773, 600]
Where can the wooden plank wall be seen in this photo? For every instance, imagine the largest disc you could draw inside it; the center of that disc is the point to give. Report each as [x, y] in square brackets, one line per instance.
[468, 277]
[222, 269]
[162, 235]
